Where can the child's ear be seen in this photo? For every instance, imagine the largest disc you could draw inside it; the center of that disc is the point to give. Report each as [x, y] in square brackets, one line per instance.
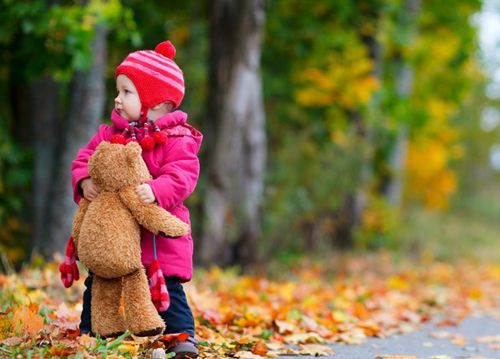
[168, 105]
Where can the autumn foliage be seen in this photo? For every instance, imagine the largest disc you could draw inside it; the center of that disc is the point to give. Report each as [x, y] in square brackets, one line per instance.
[252, 316]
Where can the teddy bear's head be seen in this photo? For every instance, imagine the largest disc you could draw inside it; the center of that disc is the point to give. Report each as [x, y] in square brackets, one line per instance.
[114, 166]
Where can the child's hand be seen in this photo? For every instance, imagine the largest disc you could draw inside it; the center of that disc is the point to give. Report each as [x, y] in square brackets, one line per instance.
[90, 189]
[145, 193]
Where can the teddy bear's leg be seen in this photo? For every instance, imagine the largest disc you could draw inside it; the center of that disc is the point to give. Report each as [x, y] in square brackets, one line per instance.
[105, 307]
[140, 314]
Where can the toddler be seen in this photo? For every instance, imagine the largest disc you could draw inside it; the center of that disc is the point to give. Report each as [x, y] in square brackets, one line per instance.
[150, 85]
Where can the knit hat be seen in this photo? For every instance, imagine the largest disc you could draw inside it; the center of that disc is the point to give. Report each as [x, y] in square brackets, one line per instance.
[155, 75]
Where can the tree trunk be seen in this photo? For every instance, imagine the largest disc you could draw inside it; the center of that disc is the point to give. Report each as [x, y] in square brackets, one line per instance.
[235, 135]
[349, 215]
[45, 95]
[85, 112]
[393, 186]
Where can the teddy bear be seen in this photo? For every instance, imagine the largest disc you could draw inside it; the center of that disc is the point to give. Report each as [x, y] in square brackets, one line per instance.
[106, 236]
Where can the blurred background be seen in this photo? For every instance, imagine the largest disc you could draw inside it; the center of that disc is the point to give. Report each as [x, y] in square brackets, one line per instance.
[330, 126]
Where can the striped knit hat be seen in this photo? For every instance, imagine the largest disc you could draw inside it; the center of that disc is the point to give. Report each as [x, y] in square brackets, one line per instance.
[155, 75]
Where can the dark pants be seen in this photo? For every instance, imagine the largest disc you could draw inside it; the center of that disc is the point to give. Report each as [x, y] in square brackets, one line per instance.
[178, 318]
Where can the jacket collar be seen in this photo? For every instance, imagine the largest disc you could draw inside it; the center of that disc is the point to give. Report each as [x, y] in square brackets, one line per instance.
[170, 119]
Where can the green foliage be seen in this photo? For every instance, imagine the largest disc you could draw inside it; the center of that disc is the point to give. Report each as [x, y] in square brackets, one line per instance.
[37, 39]
[345, 83]
[332, 74]
[15, 181]
[306, 181]
[104, 347]
[57, 39]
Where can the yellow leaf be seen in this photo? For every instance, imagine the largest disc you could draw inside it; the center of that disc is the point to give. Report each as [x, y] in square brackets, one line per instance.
[396, 282]
[247, 355]
[316, 350]
[128, 347]
[303, 338]
[284, 327]
[5, 324]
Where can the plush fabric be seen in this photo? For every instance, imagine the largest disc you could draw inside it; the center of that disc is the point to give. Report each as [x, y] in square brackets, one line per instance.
[174, 168]
[107, 238]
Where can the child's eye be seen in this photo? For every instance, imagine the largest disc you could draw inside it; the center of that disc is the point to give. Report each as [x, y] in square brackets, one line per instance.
[127, 92]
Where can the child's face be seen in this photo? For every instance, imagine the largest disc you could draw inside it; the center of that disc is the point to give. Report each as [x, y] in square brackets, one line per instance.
[127, 103]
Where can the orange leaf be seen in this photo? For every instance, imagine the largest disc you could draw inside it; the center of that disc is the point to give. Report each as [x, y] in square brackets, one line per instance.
[260, 349]
[170, 340]
[360, 311]
[33, 308]
[60, 351]
[448, 323]
[27, 321]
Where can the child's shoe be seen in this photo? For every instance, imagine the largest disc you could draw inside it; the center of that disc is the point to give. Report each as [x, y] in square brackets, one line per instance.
[185, 350]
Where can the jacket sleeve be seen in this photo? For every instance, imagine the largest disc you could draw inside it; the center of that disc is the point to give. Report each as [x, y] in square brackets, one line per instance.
[179, 174]
[79, 167]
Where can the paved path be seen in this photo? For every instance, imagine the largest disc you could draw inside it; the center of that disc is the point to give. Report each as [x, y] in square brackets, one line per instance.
[419, 343]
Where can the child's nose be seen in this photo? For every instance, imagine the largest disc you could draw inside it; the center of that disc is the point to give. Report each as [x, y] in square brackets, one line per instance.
[117, 99]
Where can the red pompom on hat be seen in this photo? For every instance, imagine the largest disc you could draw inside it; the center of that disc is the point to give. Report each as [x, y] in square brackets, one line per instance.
[155, 75]
[166, 49]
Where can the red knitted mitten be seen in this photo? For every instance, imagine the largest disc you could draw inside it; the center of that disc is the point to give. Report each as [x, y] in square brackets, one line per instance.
[69, 269]
[159, 291]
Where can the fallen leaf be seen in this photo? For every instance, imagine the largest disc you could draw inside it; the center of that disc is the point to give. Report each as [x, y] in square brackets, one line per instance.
[60, 351]
[260, 348]
[5, 323]
[284, 327]
[448, 323]
[316, 350]
[440, 335]
[12, 341]
[303, 338]
[27, 321]
[247, 355]
[488, 339]
[129, 347]
[171, 340]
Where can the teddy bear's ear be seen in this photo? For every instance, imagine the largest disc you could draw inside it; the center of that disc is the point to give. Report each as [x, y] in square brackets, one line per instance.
[133, 151]
[103, 144]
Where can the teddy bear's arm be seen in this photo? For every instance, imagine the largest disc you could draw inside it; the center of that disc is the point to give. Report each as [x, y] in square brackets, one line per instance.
[151, 216]
[78, 219]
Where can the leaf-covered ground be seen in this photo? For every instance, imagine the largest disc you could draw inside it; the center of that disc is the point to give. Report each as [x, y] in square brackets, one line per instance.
[252, 316]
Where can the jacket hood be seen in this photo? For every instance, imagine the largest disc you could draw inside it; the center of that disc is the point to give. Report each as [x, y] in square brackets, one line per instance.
[174, 124]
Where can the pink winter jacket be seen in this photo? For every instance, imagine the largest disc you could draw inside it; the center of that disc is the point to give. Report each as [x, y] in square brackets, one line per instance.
[174, 167]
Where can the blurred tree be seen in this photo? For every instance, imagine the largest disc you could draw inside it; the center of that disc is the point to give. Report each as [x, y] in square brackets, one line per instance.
[57, 96]
[235, 136]
[364, 102]
[86, 105]
[369, 79]
[334, 76]
[392, 181]
[446, 72]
